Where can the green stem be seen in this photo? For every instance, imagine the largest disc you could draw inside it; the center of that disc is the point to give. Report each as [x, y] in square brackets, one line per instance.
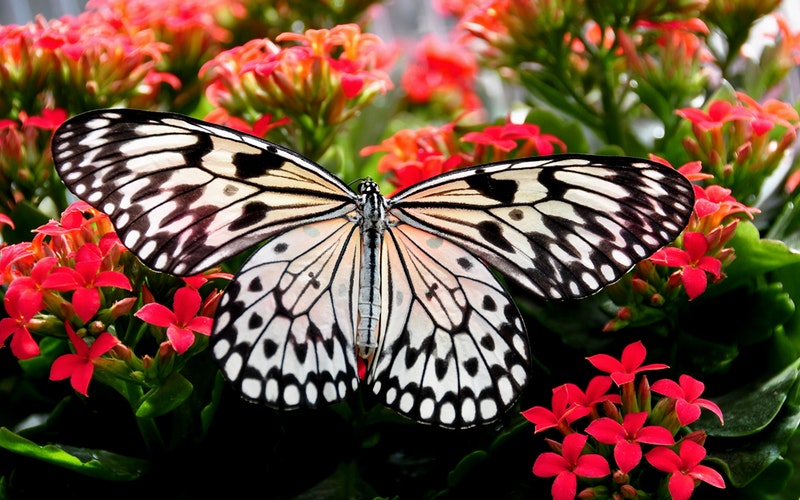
[790, 213]
[151, 435]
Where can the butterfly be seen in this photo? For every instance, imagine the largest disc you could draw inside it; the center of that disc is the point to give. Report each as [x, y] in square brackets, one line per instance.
[398, 287]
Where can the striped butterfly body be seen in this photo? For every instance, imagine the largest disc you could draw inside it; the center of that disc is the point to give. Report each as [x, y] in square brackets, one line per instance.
[399, 283]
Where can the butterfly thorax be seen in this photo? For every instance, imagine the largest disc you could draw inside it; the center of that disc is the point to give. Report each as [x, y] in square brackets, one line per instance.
[372, 221]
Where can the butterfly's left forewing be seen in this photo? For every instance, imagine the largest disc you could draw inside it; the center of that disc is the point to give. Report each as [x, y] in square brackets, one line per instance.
[184, 194]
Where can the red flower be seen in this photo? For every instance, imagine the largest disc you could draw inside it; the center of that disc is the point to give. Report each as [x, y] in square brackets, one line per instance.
[569, 465]
[624, 370]
[719, 112]
[687, 398]
[562, 414]
[79, 367]
[684, 470]
[692, 260]
[627, 437]
[84, 280]
[596, 393]
[180, 323]
[20, 309]
[444, 71]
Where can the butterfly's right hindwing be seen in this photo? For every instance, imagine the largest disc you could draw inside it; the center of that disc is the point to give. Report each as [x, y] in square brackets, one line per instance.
[185, 195]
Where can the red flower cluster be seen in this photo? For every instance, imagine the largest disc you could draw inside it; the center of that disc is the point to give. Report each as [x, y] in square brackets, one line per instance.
[319, 83]
[442, 74]
[416, 155]
[623, 430]
[741, 142]
[74, 277]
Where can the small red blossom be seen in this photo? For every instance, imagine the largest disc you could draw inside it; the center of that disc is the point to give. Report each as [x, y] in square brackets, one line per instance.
[596, 393]
[684, 469]
[628, 436]
[625, 369]
[85, 279]
[564, 412]
[79, 367]
[180, 323]
[692, 261]
[719, 113]
[687, 398]
[570, 465]
[20, 312]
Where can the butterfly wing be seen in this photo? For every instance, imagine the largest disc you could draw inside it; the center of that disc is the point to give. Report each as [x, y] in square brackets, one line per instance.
[184, 194]
[452, 348]
[283, 333]
[561, 226]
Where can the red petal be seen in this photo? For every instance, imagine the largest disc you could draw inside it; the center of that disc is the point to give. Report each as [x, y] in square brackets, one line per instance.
[156, 314]
[113, 278]
[565, 486]
[549, 464]
[86, 302]
[186, 303]
[680, 486]
[627, 455]
[687, 412]
[694, 281]
[64, 366]
[592, 466]
[664, 459]
[605, 363]
[606, 430]
[654, 434]
[180, 338]
[102, 344]
[572, 447]
[708, 475]
[669, 388]
[81, 377]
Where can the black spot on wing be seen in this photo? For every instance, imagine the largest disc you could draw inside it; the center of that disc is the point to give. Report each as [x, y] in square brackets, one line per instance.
[492, 232]
[502, 190]
[258, 164]
[252, 213]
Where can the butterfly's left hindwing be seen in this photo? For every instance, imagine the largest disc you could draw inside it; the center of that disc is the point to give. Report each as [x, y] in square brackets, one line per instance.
[284, 328]
[185, 195]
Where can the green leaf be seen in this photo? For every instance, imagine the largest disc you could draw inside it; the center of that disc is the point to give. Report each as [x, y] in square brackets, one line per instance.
[755, 256]
[90, 462]
[750, 409]
[173, 391]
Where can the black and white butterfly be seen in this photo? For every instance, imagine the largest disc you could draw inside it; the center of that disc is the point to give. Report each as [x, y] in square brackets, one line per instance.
[400, 282]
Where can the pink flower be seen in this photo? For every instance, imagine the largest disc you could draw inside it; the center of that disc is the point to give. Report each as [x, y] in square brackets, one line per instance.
[687, 398]
[569, 465]
[684, 470]
[627, 437]
[180, 323]
[79, 367]
[624, 370]
[596, 393]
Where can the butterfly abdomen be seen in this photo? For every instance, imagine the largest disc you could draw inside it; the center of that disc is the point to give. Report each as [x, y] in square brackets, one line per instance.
[372, 211]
